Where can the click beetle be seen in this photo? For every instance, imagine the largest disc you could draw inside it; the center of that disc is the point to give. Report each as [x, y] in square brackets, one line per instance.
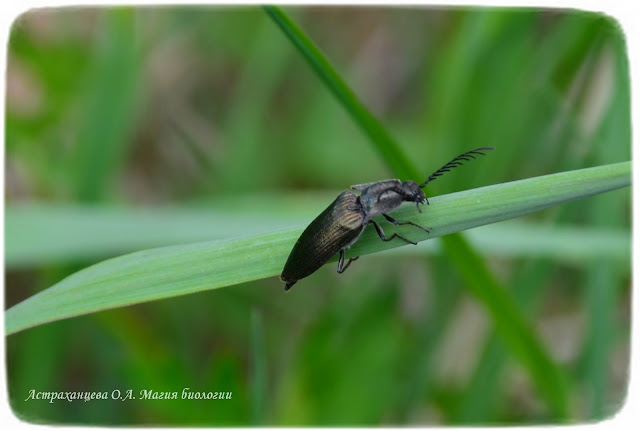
[341, 224]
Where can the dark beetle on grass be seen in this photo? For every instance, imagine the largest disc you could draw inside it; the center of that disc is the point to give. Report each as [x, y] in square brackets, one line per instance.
[341, 224]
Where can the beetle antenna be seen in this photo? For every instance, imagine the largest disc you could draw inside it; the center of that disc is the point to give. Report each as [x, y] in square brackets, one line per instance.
[464, 157]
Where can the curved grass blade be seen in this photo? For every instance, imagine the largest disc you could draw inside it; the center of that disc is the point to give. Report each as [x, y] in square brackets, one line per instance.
[178, 270]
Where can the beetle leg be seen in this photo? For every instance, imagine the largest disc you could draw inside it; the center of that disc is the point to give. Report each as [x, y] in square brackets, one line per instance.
[395, 235]
[398, 223]
[341, 268]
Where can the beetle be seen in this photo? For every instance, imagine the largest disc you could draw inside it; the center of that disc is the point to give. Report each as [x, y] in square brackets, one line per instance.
[340, 225]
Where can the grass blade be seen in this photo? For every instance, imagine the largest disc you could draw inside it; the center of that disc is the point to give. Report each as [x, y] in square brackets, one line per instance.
[258, 368]
[109, 118]
[43, 234]
[384, 144]
[178, 270]
[511, 325]
[39, 234]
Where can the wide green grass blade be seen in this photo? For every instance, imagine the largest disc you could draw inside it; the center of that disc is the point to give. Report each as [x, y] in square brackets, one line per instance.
[177, 270]
[39, 234]
[42, 234]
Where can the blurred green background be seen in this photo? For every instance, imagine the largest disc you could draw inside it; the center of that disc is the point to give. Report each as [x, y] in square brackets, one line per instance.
[133, 128]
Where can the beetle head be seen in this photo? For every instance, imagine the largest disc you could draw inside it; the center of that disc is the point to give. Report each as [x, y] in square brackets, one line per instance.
[413, 193]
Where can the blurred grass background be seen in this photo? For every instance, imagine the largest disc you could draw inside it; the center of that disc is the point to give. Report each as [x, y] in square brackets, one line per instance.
[133, 128]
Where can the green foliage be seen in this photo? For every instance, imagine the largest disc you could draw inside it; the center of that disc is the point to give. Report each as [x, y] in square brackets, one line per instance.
[214, 115]
[170, 271]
